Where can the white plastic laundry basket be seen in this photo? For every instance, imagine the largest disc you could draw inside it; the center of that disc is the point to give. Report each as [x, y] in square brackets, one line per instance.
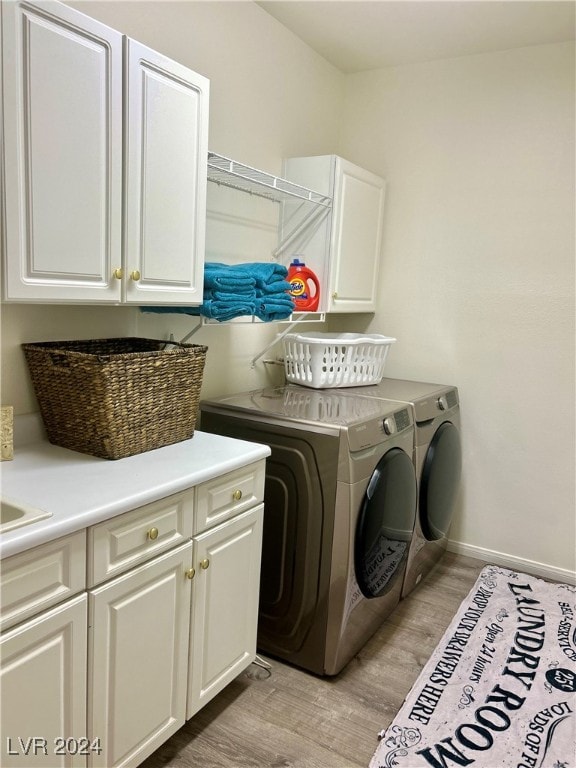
[324, 360]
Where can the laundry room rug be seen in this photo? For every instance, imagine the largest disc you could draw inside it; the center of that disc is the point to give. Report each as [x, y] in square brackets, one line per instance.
[499, 691]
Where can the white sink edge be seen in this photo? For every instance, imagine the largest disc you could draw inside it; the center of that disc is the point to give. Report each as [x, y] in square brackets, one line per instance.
[29, 515]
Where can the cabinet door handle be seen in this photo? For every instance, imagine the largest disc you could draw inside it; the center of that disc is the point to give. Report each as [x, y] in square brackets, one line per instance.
[204, 563]
[190, 573]
[237, 495]
[152, 534]
[118, 273]
[135, 275]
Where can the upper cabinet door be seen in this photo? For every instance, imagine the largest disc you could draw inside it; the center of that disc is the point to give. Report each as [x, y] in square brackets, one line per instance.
[342, 248]
[166, 171]
[63, 148]
[356, 239]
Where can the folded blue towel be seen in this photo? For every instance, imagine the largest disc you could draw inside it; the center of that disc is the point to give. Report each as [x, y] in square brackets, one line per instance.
[211, 294]
[255, 288]
[265, 273]
[226, 277]
[274, 307]
[279, 287]
[226, 310]
[216, 310]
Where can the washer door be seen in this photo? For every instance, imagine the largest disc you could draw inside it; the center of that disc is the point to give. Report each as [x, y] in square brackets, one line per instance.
[440, 481]
[385, 524]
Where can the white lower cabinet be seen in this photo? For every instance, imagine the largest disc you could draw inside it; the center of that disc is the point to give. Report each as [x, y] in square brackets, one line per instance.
[138, 648]
[225, 605]
[169, 629]
[43, 689]
[167, 618]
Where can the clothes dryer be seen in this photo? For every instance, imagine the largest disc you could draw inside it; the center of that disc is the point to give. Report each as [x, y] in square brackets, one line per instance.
[437, 460]
[339, 512]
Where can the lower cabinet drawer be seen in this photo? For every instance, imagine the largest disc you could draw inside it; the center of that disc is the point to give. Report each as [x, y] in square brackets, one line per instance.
[228, 495]
[118, 544]
[42, 577]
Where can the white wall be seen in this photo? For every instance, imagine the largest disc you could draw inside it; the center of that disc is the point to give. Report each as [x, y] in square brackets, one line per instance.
[271, 97]
[477, 278]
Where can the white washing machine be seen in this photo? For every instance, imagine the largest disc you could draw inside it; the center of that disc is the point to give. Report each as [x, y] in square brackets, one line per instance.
[437, 460]
[339, 512]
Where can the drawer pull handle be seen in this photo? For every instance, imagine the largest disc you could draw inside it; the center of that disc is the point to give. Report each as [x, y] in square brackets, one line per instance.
[237, 495]
[204, 563]
[152, 534]
[190, 573]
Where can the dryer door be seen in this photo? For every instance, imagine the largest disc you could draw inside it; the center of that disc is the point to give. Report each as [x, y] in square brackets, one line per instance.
[385, 524]
[440, 481]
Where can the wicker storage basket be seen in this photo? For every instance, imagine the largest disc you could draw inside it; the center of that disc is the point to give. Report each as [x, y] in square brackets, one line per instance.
[116, 397]
[326, 360]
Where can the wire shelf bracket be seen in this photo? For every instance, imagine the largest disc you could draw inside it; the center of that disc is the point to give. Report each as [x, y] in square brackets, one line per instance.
[278, 338]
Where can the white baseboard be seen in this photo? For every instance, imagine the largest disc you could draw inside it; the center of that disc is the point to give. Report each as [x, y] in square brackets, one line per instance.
[562, 575]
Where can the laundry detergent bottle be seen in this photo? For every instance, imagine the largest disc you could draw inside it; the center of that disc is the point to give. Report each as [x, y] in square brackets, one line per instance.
[305, 289]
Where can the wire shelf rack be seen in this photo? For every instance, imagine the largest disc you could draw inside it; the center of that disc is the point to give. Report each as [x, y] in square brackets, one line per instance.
[230, 173]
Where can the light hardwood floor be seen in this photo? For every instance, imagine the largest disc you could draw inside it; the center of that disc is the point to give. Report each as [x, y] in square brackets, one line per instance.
[292, 719]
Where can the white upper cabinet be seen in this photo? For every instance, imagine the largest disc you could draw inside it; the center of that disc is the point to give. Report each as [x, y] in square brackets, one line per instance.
[344, 249]
[166, 156]
[63, 154]
[356, 239]
[79, 113]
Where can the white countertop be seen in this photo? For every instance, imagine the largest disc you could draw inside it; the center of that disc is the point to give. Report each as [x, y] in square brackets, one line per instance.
[81, 490]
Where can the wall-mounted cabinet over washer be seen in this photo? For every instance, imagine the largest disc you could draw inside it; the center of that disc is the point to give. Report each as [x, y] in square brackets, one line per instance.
[344, 249]
[87, 111]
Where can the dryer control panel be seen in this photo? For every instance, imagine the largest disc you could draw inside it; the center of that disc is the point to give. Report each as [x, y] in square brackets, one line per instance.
[378, 430]
[430, 407]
